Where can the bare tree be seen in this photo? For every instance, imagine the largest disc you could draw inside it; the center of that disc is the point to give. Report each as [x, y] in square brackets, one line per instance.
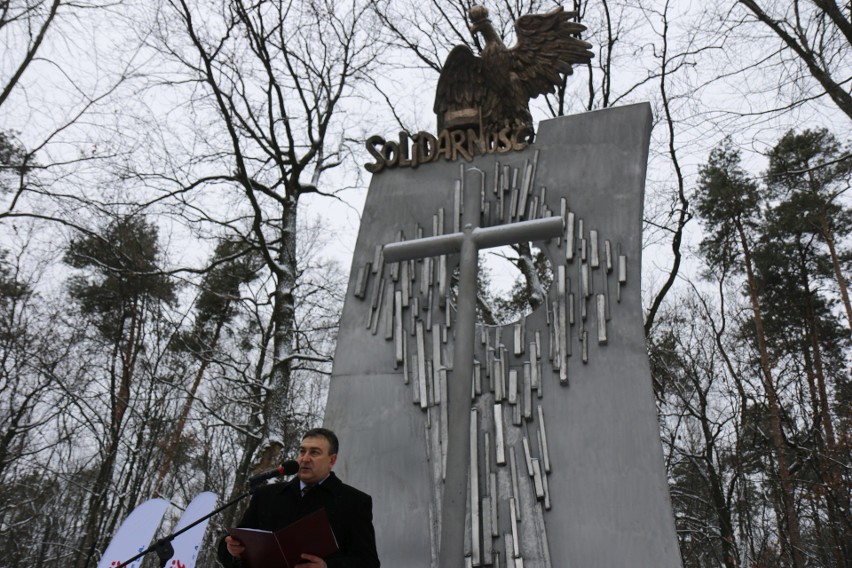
[817, 40]
[26, 385]
[28, 22]
[57, 77]
[274, 76]
[690, 377]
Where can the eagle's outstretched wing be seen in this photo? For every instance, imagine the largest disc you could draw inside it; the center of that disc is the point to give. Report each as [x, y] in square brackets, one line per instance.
[547, 47]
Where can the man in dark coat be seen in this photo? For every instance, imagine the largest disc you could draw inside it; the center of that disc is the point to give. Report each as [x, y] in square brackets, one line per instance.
[350, 511]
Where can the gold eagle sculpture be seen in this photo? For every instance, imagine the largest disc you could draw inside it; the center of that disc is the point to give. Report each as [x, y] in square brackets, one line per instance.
[491, 92]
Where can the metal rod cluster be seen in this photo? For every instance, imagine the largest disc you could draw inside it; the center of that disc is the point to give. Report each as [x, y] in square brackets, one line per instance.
[409, 300]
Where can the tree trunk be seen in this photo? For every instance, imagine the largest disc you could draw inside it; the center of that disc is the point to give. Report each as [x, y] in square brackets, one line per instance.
[177, 434]
[683, 213]
[791, 516]
[717, 492]
[96, 506]
[279, 407]
[825, 443]
[526, 264]
[120, 401]
[828, 235]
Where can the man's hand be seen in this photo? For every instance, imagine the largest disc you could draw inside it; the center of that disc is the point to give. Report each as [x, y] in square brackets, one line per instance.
[312, 561]
[235, 547]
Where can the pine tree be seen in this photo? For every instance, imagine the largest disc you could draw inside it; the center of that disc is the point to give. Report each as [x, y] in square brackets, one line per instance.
[121, 285]
[731, 208]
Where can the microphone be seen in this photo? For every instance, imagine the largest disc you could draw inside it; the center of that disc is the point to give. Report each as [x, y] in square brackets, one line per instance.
[288, 467]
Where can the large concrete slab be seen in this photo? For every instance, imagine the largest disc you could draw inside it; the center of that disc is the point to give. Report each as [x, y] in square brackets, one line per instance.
[604, 501]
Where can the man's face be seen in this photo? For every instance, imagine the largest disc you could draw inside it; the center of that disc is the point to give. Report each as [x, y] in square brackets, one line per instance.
[315, 461]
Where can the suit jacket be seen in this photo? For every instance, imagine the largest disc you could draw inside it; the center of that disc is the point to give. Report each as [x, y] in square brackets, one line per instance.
[350, 513]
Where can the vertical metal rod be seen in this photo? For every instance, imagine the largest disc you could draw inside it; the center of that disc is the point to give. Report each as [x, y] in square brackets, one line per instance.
[499, 438]
[455, 484]
[474, 489]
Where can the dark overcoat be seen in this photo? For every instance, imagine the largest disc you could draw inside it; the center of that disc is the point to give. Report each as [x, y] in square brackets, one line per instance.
[350, 513]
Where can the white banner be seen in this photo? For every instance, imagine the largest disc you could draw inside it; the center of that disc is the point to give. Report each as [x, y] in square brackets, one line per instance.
[135, 534]
[187, 545]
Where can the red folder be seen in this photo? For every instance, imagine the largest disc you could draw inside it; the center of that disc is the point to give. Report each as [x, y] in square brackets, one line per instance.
[283, 548]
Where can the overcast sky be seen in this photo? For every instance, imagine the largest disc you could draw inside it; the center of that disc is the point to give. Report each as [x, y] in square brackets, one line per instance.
[88, 50]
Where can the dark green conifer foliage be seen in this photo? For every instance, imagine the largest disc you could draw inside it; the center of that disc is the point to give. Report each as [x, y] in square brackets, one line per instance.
[122, 273]
[121, 284]
[808, 174]
[732, 209]
[727, 201]
[798, 263]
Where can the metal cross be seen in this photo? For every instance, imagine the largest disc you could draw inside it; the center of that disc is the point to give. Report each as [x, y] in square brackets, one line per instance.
[468, 243]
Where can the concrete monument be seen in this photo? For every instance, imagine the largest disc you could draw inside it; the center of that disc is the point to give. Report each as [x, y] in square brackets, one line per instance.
[533, 444]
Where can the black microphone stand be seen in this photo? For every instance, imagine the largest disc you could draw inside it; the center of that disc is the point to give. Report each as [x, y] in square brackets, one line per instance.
[163, 547]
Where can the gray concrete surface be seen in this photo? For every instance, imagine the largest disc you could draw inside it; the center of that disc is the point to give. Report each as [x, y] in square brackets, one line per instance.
[606, 502]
